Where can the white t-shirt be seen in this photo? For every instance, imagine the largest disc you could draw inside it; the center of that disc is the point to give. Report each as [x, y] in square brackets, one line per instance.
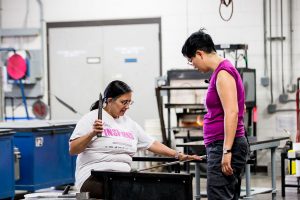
[122, 137]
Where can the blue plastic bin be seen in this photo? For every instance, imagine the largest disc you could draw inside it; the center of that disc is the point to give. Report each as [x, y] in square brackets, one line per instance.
[7, 183]
[45, 159]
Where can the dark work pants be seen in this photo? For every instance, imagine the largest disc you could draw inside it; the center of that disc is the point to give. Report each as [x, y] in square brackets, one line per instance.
[219, 186]
[94, 186]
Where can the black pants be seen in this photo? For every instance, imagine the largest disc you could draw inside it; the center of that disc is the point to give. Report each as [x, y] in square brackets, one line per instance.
[219, 186]
[94, 186]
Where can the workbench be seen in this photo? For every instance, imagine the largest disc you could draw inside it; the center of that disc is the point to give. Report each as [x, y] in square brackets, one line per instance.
[145, 185]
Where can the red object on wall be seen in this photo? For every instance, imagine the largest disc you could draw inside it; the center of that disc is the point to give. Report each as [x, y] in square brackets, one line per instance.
[254, 111]
[40, 109]
[16, 67]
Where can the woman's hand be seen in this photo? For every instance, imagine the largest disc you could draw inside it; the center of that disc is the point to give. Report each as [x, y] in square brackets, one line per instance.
[78, 145]
[226, 164]
[97, 127]
[183, 157]
[162, 149]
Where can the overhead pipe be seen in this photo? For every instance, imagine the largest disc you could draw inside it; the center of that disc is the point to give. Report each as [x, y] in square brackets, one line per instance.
[42, 29]
[283, 98]
[271, 67]
[42, 38]
[291, 85]
[281, 34]
[265, 37]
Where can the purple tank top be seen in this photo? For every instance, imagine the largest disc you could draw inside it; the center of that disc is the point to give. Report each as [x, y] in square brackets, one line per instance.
[213, 127]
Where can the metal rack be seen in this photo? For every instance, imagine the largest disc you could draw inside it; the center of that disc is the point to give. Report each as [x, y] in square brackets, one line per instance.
[235, 48]
[167, 136]
[180, 74]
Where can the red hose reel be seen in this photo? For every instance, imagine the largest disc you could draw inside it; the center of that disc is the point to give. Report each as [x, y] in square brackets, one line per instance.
[16, 67]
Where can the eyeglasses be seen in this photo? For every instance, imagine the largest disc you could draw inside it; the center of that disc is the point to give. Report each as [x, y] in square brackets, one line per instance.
[190, 61]
[126, 102]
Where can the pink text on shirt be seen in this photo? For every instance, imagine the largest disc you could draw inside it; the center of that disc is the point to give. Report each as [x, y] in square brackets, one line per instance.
[117, 133]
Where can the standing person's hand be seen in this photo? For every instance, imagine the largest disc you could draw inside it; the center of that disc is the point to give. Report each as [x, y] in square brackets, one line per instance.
[97, 127]
[226, 164]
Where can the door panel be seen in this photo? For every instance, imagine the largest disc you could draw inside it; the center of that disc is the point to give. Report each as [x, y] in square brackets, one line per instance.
[132, 55]
[127, 52]
[72, 79]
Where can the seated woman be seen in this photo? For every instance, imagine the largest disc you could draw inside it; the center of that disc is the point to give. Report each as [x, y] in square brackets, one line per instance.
[121, 138]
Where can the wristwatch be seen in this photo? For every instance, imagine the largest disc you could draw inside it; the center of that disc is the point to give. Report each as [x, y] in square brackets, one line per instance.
[226, 151]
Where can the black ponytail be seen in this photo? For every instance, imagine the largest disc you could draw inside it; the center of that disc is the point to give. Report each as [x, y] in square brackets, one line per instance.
[95, 105]
[113, 90]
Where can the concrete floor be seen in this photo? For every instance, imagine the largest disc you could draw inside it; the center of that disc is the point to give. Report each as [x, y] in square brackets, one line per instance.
[264, 181]
[258, 180]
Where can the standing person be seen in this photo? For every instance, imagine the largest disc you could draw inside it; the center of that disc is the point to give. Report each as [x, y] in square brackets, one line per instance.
[121, 138]
[224, 136]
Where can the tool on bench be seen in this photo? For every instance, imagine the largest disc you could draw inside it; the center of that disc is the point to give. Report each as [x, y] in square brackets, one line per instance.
[66, 190]
[166, 164]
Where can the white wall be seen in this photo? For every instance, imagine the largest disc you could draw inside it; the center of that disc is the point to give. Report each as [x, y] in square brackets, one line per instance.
[179, 19]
